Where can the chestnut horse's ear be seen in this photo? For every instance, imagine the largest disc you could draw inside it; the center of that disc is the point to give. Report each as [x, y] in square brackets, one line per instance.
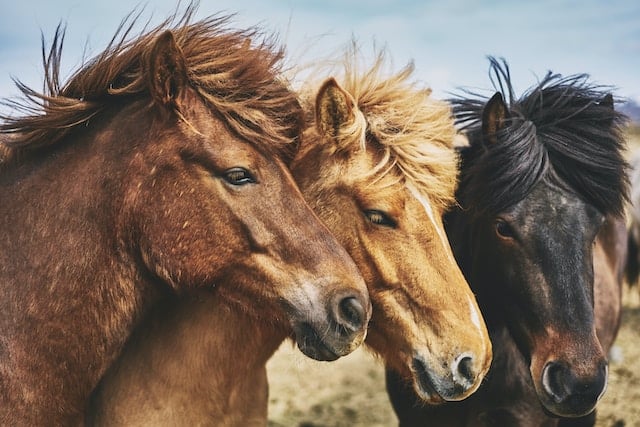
[167, 70]
[493, 118]
[335, 110]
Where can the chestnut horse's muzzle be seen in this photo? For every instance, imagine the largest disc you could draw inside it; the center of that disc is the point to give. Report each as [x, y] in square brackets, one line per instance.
[336, 334]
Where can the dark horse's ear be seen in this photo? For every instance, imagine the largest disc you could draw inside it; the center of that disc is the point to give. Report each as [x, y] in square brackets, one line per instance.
[607, 102]
[493, 118]
[167, 70]
[335, 110]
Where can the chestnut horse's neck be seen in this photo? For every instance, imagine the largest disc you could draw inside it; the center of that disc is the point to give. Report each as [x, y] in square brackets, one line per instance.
[225, 351]
[54, 240]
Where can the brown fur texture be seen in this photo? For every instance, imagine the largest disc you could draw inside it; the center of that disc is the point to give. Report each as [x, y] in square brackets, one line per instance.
[423, 307]
[157, 169]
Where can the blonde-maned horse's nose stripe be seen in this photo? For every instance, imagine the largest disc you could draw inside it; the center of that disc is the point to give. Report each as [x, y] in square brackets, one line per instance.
[427, 208]
[475, 316]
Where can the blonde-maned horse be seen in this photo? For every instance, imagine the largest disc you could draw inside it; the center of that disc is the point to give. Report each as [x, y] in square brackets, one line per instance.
[378, 166]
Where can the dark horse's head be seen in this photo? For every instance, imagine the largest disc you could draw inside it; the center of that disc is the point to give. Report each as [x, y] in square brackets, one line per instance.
[538, 178]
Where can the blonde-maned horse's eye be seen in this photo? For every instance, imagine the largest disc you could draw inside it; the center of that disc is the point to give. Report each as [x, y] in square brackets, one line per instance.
[379, 218]
[238, 176]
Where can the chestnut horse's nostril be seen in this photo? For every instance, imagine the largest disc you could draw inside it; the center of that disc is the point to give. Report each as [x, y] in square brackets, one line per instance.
[463, 373]
[351, 314]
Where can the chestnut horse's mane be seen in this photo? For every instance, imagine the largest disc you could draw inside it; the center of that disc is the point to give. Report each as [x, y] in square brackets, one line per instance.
[237, 79]
[415, 131]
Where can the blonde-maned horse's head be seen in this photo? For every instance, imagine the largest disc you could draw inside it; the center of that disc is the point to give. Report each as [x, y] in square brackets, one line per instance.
[378, 166]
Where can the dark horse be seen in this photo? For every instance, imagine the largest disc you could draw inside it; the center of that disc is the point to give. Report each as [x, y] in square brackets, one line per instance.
[633, 260]
[542, 192]
[158, 168]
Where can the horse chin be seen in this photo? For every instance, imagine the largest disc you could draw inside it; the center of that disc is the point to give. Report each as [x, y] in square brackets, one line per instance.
[575, 410]
[572, 407]
[426, 392]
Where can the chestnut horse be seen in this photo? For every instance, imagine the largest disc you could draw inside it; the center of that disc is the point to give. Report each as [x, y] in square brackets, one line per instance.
[378, 166]
[543, 185]
[158, 168]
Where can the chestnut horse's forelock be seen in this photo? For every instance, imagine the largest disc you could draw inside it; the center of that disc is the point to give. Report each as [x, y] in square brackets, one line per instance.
[237, 78]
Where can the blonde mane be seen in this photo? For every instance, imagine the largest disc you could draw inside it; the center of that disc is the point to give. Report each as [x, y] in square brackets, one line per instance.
[236, 72]
[415, 130]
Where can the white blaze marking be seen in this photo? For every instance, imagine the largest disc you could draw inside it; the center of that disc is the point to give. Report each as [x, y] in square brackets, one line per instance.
[427, 208]
[475, 316]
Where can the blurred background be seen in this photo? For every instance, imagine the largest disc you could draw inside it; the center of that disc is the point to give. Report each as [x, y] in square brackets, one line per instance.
[447, 40]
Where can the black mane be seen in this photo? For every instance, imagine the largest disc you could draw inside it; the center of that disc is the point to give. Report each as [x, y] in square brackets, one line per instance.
[563, 129]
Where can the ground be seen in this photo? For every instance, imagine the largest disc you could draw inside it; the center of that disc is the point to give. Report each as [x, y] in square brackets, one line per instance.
[350, 391]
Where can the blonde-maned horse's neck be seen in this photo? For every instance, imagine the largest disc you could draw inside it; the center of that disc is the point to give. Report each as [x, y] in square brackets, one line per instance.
[199, 354]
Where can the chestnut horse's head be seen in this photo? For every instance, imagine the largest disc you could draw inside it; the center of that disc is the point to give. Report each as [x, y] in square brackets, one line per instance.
[539, 177]
[190, 129]
[378, 167]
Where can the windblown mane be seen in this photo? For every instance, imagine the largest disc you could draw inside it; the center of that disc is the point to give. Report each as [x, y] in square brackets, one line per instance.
[561, 129]
[238, 80]
[414, 130]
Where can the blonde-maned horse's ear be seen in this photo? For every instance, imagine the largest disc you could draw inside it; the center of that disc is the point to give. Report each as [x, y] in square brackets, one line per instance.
[167, 70]
[335, 110]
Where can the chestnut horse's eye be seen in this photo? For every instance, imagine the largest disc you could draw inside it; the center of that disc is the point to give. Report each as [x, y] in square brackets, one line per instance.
[504, 229]
[238, 176]
[379, 218]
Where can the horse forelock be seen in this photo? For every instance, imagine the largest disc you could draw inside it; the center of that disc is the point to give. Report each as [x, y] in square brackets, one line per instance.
[413, 131]
[558, 130]
[236, 73]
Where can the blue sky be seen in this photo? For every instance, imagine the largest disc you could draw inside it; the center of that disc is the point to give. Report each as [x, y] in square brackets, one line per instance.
[447, 39]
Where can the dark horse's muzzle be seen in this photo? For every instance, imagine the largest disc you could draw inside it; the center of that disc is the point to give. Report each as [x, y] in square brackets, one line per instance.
[569, 394]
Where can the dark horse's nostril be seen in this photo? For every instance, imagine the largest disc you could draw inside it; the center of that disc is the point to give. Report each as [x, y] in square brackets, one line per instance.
[554, 380]
[351, 313]
[570, 392]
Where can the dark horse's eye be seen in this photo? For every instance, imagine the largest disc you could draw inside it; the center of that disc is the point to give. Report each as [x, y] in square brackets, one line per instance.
[504, 229]
[379, 218]
[238, 176]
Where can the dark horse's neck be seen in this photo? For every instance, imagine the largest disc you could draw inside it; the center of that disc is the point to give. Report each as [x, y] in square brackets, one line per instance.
[196, 352]
[462, 237]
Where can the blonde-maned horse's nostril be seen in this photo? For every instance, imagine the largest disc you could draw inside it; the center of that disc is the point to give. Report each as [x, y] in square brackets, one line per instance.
[463, 372]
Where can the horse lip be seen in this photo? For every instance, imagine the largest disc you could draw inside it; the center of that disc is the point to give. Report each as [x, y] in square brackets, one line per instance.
[424, 382]
[312, 345]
